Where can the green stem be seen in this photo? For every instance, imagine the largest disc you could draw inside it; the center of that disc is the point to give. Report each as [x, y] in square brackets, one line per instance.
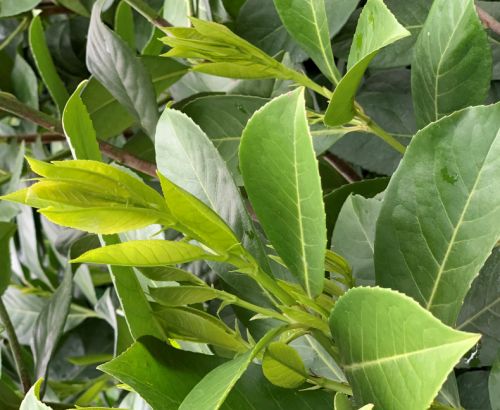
[15, 347]
[269, 284]
[257, 309]
[148, 13]
[380, 132]
[307, 82]
[22, 25]
[331, 385]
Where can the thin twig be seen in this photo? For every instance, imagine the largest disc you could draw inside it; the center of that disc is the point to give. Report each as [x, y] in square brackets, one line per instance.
[342, 167]
[488, 20]
[15, 347]
[148, 13]
[45, 138]
[126, 158]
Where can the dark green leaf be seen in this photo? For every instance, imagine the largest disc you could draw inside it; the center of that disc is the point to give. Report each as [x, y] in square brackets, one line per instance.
[7, 229]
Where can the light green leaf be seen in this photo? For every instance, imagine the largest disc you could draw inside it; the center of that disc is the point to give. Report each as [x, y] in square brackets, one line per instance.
[79, 129]
[13, 7]
[283, 366]
[194, 325]
[7, 230]
[354, 236]
[281, 177]
[413, 353]
[164, 376]
[426, 244]
[481, 309]
[307, 22]
[170, 273]
[184, 295]
[198, 221]
[49, 325]
[145, 253]
[32, 399]
[452, 61]
[102, 220]
[211, 392]
[377, 28]
[45, 64]
[117, 68]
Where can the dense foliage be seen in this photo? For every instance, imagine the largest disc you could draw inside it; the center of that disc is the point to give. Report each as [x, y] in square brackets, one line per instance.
[249, 204]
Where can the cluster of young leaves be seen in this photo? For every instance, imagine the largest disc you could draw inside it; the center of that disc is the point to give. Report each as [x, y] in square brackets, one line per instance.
[230, 166]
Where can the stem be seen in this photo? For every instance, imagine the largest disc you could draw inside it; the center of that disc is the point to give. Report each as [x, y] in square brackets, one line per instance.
[257, 309]
[15, 348]
[22, 25]
[269, 284]
[342, 167]
[488, 20]
[148, 13]
[331, 385]
[307, 82]
[120, 155]
[46, 137]
[380, 132]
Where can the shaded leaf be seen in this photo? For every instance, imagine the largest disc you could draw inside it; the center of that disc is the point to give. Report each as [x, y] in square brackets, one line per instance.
[121, 72]
[13, 7]
[283, 366]
[452, 61]
[7, 230]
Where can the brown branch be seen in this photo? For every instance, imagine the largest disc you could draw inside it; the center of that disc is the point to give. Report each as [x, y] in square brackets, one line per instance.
[342, 167]
[488, 20]
[45, 138]
[126, 158]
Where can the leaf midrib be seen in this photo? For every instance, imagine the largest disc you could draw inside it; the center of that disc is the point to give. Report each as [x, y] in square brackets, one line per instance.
[457, 227]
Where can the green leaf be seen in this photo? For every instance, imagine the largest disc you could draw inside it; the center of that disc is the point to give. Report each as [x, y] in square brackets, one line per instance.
[117, 68]
[45, 64]
[184, 295]
[170, 273]
[164, 376]
[32, 399]
[109, 117]
[283, 366]
[138, 313]
[281, 177]
[413, 353]
[494, 385]
[336, 199]
[452, 61]
[198, 221]
[473, 387]
[145, 253]
[338, 12]
[377, 28]
[13, 7]
[7, 230]
[481, 309]
[425, 244]
[307, 22]
[186, 156]
[354, 236]
[79, 129]
[342, 402]
[25, 87]
[223, 118]
[186, 323]
[211, 392]
[50, 323]
[124, 24]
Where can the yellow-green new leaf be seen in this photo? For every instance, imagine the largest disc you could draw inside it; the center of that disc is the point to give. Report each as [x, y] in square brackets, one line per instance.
[377, 27]
[185, 295]
[283, 366]
[145, 253]
[197, 220]
[194, 325]
[386, 338]
[281, 176]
